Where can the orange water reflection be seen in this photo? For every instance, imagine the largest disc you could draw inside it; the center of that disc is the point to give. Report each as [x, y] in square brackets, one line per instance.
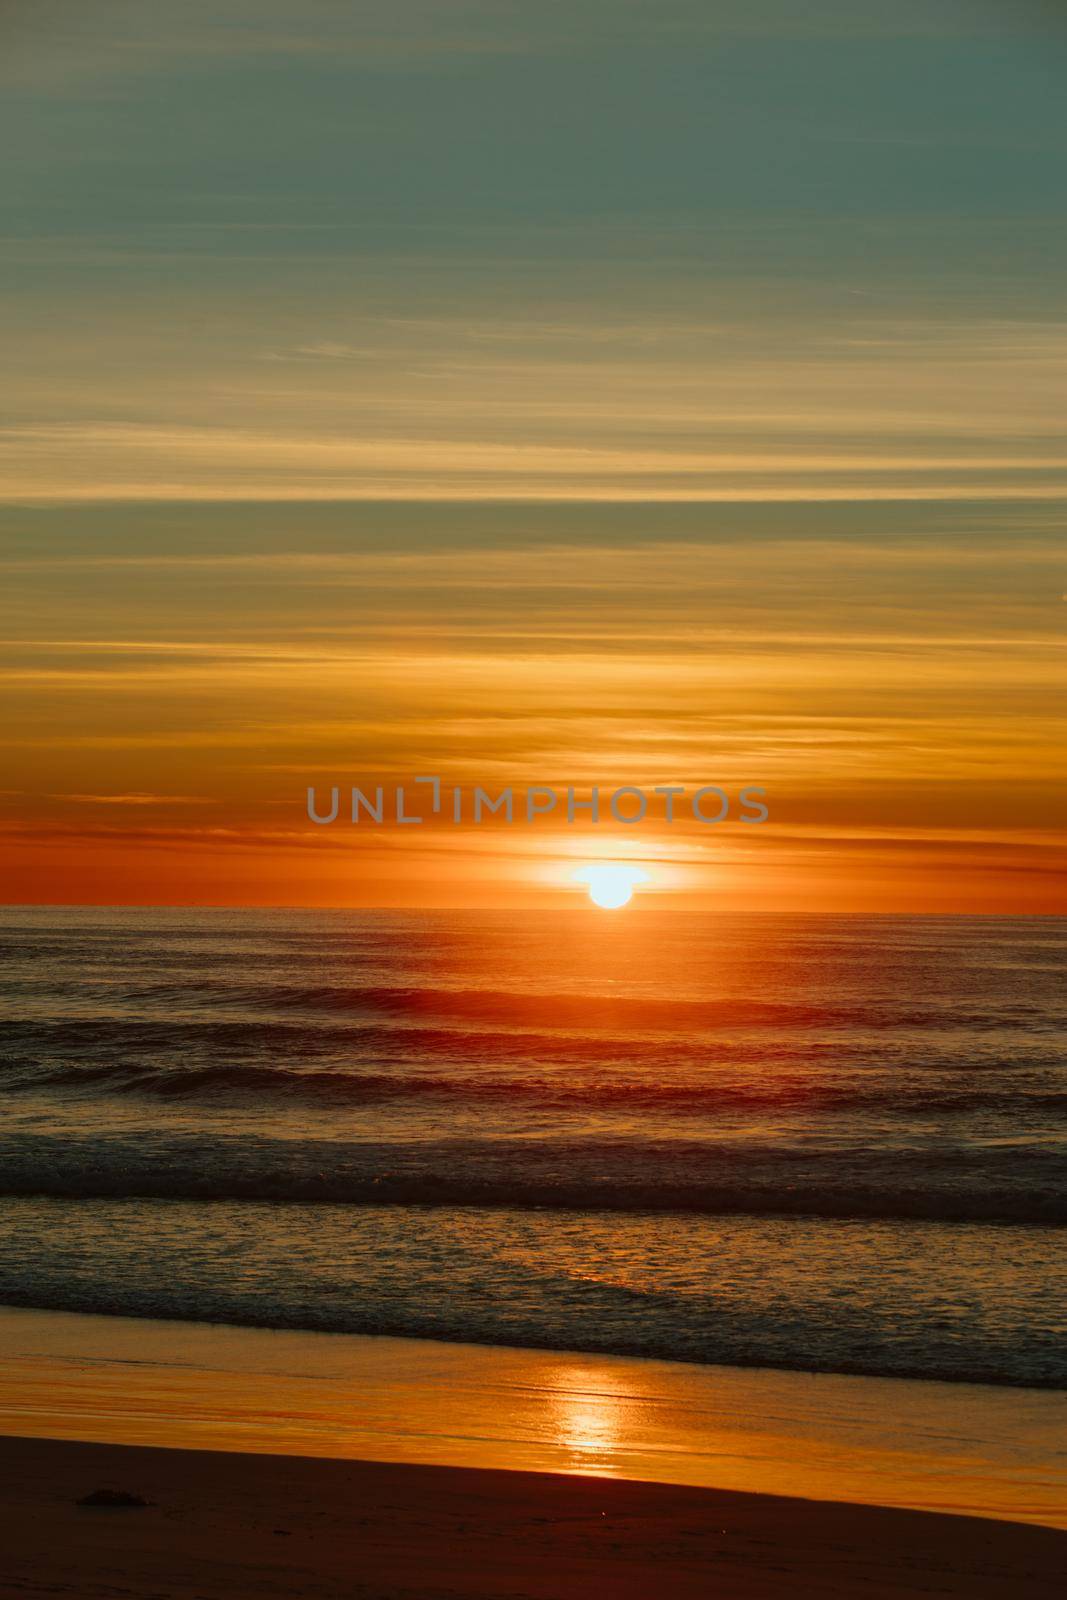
[586, 1421]
[878, 1441]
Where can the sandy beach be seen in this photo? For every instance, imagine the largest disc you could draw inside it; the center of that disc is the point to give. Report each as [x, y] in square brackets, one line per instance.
[317, 1465]
[954, 1448]
[230, 1526]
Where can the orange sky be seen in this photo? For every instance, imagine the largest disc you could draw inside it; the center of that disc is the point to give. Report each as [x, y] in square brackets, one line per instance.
[177, 679]
[362, 420]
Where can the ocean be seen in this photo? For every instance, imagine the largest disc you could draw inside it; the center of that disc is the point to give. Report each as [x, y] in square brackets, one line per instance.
[827, 1144]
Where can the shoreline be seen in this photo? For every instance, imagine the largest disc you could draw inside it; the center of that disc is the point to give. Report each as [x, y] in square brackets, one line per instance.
[236, 1527]
[990, 1453]
[1052, 1387]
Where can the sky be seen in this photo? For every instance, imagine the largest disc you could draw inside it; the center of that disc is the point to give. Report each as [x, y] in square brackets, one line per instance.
[584, 393]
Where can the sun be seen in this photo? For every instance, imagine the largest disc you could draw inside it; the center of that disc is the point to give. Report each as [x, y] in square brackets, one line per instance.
[610, 884]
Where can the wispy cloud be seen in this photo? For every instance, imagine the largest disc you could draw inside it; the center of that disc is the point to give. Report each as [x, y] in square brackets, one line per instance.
[66, 42]
[119, 461]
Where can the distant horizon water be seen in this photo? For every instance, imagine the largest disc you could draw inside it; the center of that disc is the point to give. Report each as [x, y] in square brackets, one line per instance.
[819, 1142]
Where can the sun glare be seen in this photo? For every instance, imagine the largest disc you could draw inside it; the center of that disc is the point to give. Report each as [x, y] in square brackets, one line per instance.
[610, 884]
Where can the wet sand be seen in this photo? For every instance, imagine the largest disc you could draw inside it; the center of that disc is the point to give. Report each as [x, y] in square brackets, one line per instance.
[956, 1448]
[225, 1526]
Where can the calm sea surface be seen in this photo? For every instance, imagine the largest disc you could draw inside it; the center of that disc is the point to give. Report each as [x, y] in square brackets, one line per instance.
[835, 1144]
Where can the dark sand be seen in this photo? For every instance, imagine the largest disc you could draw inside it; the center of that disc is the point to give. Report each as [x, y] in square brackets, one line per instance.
[225, 1526]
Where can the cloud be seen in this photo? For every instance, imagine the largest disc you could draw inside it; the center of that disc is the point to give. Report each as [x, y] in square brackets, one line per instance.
[134, 799]
[63, 42]
[134, 461]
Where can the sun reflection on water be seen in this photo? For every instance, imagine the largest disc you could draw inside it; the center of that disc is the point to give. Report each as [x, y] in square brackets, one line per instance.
[587, 1423]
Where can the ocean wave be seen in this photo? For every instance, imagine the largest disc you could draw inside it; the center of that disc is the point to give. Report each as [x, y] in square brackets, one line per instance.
[852, 1296]
[589, 1089]
[587, 1013]
[111, 1300]
[590, 1175]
